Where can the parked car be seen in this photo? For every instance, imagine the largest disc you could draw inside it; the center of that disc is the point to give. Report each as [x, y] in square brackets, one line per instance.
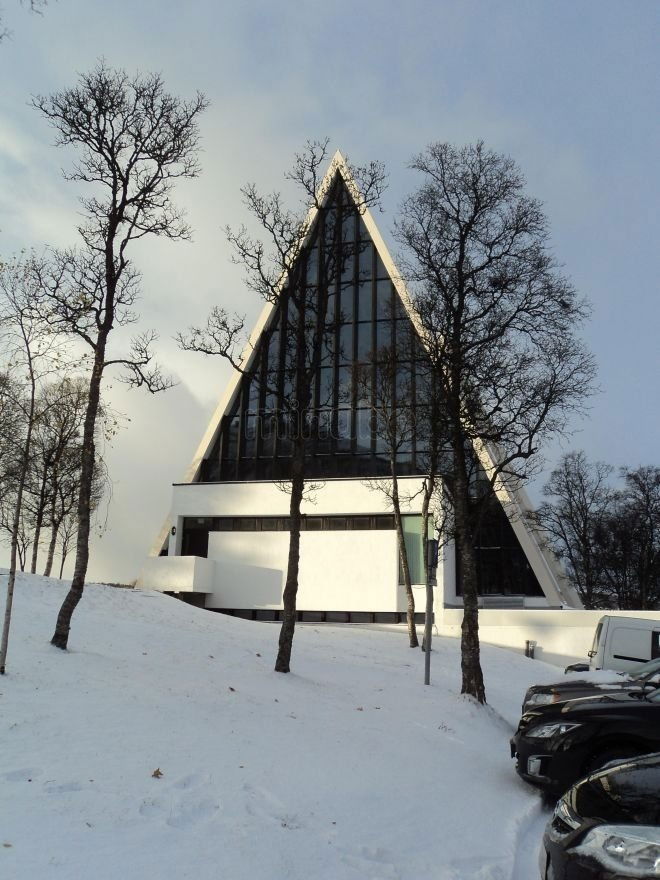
[607, 826]
[558, 743]
[644, 675]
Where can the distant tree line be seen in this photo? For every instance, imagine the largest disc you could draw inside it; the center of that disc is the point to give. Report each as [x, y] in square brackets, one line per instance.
[607, 534]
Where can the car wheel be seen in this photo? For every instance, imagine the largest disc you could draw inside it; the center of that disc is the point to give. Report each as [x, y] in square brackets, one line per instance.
[608, 756]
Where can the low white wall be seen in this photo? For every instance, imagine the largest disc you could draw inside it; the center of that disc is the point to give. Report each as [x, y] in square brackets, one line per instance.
[177, 573]
[561, 636]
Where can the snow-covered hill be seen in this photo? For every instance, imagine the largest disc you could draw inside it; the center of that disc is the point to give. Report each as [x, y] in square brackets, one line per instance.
[346, 769]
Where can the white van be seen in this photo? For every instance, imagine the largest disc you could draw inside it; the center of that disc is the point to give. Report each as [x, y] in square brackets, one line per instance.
[623, 642]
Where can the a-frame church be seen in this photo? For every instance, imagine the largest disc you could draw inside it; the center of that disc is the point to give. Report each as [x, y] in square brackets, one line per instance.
[225, 543]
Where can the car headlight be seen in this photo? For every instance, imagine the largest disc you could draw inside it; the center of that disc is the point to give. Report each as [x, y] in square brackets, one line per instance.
[633, 848]
[551, 728]
[564, 820]
[540, 699]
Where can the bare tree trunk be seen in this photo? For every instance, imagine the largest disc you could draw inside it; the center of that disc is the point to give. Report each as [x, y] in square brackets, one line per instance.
[403, 556]
[428, 615]
[39, 521]
[54, 528]
[61, 635]
[291, 586]
[472, 675]
[11, 580]
[65, 553]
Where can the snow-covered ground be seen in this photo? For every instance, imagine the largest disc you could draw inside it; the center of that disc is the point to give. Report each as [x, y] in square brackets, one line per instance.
[348, 768]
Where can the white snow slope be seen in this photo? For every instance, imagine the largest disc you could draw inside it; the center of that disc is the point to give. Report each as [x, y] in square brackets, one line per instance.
[347, 768]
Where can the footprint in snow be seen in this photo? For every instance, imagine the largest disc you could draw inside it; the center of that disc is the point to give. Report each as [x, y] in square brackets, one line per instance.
[62, 787]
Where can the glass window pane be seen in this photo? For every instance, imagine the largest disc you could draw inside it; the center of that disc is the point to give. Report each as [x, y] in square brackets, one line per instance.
[345, 385]
[364, 341]
[274, 349]
[348, 232]
[346, 309]
[347, 265]
[363, 383]
[326, 384]
[365, 260]
[404, 385]
[383, 337]
[364, 301]
[363, 430]
[250, 436]
[313, 266]
[381, 271]
[253, 394]
[230, 446]
[330, 315]
[328, 349]
[344, 418]
[267, 425]
[384, 302]
[346, 344]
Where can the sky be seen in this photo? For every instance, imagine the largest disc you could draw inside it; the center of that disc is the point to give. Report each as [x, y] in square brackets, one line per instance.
[569, 90]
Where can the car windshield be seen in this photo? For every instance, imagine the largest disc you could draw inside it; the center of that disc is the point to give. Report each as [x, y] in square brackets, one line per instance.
[645, 670]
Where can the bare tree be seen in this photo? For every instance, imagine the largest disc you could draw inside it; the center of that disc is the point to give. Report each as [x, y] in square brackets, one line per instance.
[579, 500]
[134, 140]
[299, 245]
[500, 324]
[31, 348]
[629, 541]
[391, 397]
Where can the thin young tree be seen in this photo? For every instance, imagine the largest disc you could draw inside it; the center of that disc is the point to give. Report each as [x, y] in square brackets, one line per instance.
[390, 396]
[31, 348]
[500, 322]
[134, 141]
[296, 266]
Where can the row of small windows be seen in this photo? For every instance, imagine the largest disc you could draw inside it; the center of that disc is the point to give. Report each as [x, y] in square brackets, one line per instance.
[360, 522]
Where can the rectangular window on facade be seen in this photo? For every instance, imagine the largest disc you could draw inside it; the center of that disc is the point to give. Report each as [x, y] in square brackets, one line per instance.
[346, 344]
[363, 430]
[344, 429]
[345, 386]
[364, 301]
[384, 302]
[365, 261]
[364, 341]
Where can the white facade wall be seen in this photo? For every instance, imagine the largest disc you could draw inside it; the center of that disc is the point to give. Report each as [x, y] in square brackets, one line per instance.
[339, 570]
[178, 574]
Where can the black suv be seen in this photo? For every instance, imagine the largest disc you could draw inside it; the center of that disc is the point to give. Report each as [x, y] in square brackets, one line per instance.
[557, 744]
[607, 826]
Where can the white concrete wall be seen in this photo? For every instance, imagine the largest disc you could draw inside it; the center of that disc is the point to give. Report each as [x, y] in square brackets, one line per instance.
[562, 637]
[339, 571]
[177, 573]
[266, 499]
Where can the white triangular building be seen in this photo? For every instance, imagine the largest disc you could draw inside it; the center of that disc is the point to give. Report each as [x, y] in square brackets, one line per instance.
[225, 542]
